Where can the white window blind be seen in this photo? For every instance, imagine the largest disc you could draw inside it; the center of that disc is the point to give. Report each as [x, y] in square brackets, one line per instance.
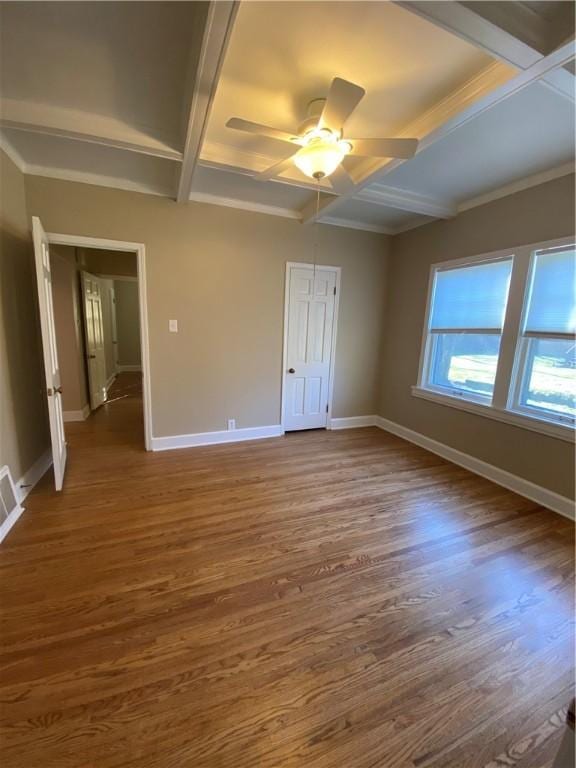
[552, 301]
[471, 297]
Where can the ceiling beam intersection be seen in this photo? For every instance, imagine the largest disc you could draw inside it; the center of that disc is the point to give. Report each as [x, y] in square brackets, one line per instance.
[439, 123]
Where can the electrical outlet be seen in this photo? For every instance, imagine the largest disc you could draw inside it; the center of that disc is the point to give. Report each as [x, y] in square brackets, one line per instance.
[231, 423]
[173, 326]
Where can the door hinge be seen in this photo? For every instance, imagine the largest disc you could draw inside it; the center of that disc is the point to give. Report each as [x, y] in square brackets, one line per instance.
[334, 290]
[326, 408]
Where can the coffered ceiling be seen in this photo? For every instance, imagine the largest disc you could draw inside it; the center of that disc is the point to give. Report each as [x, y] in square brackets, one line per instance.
[136, 95]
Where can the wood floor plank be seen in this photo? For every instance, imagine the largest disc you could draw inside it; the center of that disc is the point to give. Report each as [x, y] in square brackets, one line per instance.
[326, 599]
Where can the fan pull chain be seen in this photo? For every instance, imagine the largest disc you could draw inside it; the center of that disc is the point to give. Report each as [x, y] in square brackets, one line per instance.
[315, 247]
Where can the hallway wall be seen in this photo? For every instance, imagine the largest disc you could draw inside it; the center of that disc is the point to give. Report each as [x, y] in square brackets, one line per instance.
[128, 323]
[69, 330]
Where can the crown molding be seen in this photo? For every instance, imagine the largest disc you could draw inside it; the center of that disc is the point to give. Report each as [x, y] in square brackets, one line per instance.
[97, 180]
[13, 153]
[351, 224]
[517, 186]
[245, 205]
[407, 200]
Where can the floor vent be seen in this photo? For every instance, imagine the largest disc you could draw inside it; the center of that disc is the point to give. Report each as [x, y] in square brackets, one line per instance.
[10, 507]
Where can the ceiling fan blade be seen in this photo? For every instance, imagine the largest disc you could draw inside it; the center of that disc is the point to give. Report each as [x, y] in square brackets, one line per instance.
[341, 181]
[343, 98]
[401, 148]
[261, 130]
[275, 170]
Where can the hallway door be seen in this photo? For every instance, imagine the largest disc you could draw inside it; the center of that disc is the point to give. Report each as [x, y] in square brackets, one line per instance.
[94, 339]
[51, 368]
[311, 298]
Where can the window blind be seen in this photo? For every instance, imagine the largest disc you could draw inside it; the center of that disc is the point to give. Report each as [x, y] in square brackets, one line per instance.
[552, 302]
[471, 297]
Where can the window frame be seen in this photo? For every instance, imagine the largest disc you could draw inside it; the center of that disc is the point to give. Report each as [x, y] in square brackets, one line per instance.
[510, 370]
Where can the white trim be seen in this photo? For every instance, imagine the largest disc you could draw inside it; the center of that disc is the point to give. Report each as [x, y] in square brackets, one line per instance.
[518, 186]
[338, 271]
[408, 200]
[95, 179]
[554, 501]
[353, 422]
[111, 380]
[351, 224]
[204, 80]
[140, 249]
[244, 205]
[12, 153]
[489, 411]
[128, 368]
[214, 438]
[33, 474]
[81, 415]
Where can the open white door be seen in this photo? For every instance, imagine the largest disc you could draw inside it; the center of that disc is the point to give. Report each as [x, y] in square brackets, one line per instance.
[310, 322]
[52, 371]
[94, 338]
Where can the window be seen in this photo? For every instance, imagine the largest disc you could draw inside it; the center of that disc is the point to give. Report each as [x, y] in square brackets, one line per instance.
[466, 319]
[500, 336]
[546, 379]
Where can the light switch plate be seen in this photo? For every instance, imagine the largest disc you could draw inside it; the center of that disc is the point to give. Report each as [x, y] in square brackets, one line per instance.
[173, 326]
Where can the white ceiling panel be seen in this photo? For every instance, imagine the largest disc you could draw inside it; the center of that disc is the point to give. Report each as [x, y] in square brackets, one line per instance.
[126, 60]
[242, 187]
[530, 132]
[376, 216]
[92, 163]
[283, 54]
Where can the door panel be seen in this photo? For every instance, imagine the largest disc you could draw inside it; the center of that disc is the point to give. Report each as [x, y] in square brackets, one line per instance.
[309, 347]
[50, 351]
[94, 338]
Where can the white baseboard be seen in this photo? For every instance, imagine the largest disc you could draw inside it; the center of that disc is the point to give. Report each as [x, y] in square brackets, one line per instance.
[352, 422]
[129, 368]
[561, 504]
[212, 438]
[33, 474]
[77, 415]
[111, 381]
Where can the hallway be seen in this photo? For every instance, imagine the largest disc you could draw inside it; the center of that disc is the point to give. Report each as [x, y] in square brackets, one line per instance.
[286, 603]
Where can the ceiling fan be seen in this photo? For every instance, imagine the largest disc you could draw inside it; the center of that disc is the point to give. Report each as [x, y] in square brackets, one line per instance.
[320, 145]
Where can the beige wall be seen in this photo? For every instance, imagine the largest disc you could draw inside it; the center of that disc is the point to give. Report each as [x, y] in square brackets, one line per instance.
[23, 416]
[69, 330]
[220, 272]
[541, 213]
[127, 322]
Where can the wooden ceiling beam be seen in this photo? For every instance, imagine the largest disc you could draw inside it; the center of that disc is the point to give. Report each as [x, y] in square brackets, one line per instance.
[207, 60]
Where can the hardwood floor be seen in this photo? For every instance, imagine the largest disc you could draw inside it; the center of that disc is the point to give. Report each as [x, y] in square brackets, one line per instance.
[327, 599]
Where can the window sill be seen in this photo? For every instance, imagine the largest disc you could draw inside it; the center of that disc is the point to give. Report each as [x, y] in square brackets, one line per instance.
[509, 417]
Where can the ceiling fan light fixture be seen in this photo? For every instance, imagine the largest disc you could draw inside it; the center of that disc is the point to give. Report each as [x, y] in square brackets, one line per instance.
[321, 156]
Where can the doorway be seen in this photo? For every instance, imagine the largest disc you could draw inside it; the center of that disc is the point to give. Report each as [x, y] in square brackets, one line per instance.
[92, 296]
[310, 325]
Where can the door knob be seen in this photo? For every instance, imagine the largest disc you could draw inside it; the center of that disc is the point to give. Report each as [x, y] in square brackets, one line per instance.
[91, 357]
[58, 389]
[291, 370]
